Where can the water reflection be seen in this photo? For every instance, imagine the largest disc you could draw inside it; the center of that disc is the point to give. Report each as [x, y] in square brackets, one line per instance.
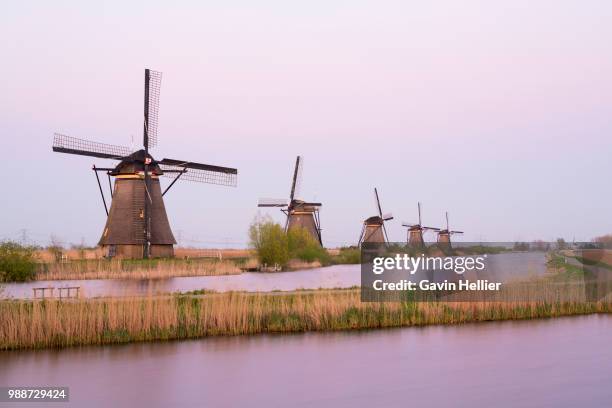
[555, 362]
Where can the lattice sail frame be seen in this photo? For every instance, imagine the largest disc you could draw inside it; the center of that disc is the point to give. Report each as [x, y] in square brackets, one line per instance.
[153, 119]
[272, 202]
[203, 176]
[61, 141]
[298, 178]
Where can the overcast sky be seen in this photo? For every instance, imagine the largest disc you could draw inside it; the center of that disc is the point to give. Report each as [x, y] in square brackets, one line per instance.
[499, 113]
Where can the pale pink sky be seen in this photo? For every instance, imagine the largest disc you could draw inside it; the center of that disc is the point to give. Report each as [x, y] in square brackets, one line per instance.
[499, 112]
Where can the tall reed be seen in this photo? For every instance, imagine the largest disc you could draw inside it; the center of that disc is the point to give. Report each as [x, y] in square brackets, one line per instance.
[137, 269]
[39, 324]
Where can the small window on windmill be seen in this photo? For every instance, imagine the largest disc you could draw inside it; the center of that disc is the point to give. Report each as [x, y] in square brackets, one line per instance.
[112, 250]
[141, 215]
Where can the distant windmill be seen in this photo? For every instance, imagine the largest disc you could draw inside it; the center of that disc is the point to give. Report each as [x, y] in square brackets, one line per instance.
[444, 240]
[299, 213]
[415, 232]
[374, 227]
[137, 224]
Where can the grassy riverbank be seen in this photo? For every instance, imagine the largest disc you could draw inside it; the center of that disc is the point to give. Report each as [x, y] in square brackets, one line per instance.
[21, 263]
[40, 324]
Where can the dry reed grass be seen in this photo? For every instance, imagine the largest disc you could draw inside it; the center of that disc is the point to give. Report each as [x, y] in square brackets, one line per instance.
[47, 256]
[124, 269]
[39, 324]
[181, 252]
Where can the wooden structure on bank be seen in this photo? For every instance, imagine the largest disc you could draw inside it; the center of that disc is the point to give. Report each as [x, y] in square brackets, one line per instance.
[373, 229]
[137, 225]
[415, 232]
[300, 213]
[444, 236]
[65, 292]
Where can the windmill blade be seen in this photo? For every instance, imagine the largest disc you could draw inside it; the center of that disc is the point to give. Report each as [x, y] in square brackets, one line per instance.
[408, 224]
[361, 235]
[456, 232]
[385, 232]
[387, 217]
[151, 110]
[297, 178]
[378, 202]
[198, 166]
[431, 228]
[72, 145]
[447, 228]
[201, 173]
[419, 205]
[272, 202]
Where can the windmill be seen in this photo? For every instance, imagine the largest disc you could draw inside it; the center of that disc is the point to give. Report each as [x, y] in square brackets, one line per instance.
[415, 232]
[373, 229]
[137, 225]
[299, 213]
[444, 235]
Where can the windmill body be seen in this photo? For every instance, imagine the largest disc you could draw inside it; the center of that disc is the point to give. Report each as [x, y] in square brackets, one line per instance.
[300, 214]
[444, 236]
[415, 237]
[137, 225]
[304, 215]
[123, 233]
[373, 230]
[415, 232]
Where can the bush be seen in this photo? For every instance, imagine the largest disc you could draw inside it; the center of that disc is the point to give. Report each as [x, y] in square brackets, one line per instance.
[348, 255]
[270, 242]
[17, 262]
[304, 247]
[275, 247]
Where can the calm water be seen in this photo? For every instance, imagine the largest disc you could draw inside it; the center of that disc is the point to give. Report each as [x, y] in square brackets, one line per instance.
[339, 276]
[547, 363]
[504, 266]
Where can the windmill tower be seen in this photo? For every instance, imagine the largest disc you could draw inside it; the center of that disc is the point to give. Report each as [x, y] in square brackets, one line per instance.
[137, 225]
[415, 232]
[299, 213]
[373, 229]
[444, 240]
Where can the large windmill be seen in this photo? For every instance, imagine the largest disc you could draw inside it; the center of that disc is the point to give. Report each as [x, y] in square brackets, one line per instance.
[415, 232]
[137, 224]
[299, 213]
[373, 229]
[444, 240]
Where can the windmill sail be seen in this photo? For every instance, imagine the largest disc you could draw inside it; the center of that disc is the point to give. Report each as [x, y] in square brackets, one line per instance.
[297, 178]
[272, 202]
[152, 90]
[72, 145]
[378, 202]
[202, 173]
